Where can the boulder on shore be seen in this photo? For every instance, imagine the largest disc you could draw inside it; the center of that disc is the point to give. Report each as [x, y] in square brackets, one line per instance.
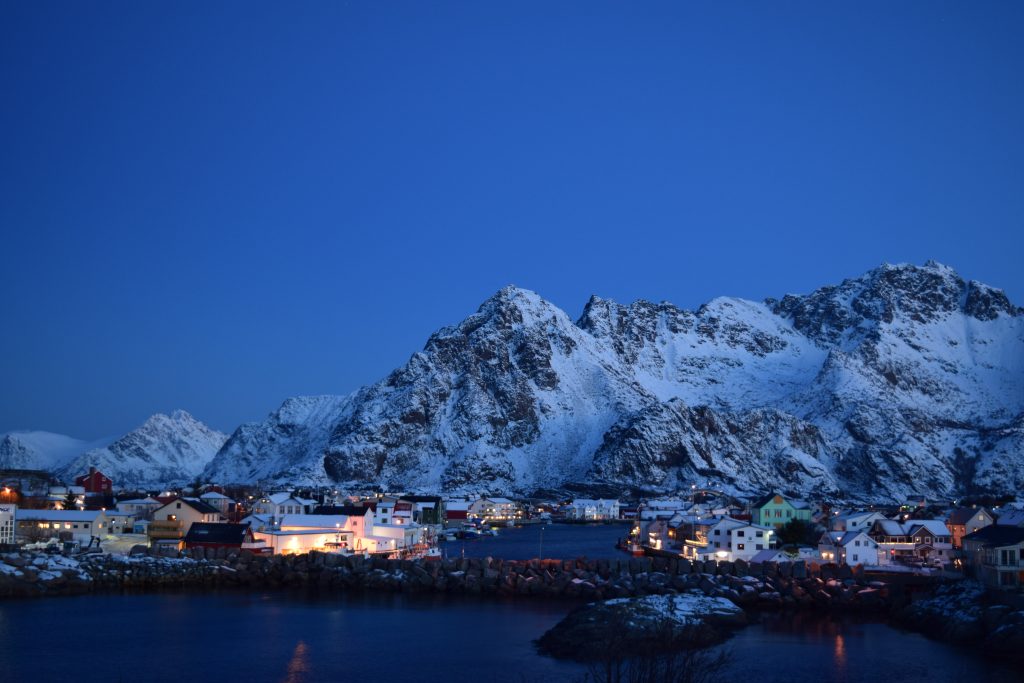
[653, 624]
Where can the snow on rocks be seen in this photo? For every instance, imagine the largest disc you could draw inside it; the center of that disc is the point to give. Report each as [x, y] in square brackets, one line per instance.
[646, 625]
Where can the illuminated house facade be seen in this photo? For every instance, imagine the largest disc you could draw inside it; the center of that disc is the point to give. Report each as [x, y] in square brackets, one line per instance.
[848, 547]
[724, 538]
[776, 510]
[73, 525]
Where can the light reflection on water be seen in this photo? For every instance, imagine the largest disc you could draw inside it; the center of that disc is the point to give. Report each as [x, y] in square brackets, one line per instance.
[298, 667]
[309, 638]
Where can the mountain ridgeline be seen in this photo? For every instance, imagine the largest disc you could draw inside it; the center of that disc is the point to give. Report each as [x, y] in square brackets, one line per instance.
[904, 380]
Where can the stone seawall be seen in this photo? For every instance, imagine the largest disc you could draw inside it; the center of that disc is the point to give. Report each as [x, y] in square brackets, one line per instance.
[767, 585]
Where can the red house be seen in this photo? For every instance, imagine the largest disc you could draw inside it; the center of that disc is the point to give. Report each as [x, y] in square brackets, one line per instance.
[95, 482]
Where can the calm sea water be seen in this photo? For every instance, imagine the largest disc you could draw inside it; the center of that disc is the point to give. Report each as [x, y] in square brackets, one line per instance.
[285, 637]
[563, 541]
[298, 638]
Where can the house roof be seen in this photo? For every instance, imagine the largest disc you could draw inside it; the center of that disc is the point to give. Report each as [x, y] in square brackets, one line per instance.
[346, 510]
[140, 501]
[314, 521]
[213, 495]
[422, 499]
[214, 532]
[1011, 518]
[961, 516]
[794, 503]
[846, 516]
[936, 527]
[280, 497]
[58, 515]
[767, 555]
[195, 504]
[995, 535]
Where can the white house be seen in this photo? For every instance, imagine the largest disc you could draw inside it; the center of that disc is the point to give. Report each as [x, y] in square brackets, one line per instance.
[7, 511]
[224, 504]
[848, 547]
[76, 525]
[283, 503]
[589, 508]
[855, 521]
[120, 522]
[172, 520]
[56, 496]
[662, 508]
[915, 540]
[493, 509]
[725, 538]
[140, 508]
[294, 541]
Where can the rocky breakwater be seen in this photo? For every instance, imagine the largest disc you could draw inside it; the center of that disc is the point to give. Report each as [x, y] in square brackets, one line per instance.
[966, 614]
[651, 625]
[28, 574]
[766, 586]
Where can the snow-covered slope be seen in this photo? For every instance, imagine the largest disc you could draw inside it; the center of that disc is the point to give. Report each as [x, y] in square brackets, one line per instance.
[41, 450]
[166, 449]
[904, 379]
[288, 446]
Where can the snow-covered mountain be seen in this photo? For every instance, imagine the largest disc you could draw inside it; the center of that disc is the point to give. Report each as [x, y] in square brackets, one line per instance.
[287, 446]
[38, 450]
[166, 449]
[904, 379]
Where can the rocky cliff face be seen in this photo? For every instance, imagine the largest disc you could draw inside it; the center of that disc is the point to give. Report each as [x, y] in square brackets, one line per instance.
[902, 380]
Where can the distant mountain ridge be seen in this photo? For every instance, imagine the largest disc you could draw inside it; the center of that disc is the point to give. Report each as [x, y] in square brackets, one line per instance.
[905, 379]
[165, 450]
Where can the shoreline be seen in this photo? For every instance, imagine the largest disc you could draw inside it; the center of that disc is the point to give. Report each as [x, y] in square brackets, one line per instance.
[782, 588]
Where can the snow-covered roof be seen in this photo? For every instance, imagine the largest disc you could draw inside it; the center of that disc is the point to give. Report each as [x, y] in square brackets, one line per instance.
[213, 495]
[1011, 518]
[140, 501]
[890, 527]
[501, 501]
[58, 515]
[768, 556]
[314, 521]
[859, 514]
[934, 526]
[278, 498]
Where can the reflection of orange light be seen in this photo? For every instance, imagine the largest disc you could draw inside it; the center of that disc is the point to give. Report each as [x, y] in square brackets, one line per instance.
[298, 664]
[840, 650]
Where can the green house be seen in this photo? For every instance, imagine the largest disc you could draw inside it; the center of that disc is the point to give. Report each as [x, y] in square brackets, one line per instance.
[774, 510]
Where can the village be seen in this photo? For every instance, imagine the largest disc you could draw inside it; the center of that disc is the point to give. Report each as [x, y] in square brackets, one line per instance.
[915, 537]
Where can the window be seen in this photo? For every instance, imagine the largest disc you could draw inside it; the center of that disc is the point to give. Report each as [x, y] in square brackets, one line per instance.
[857, 543]
[854, 558]
[740, 546]
[760, 546]
[740, 533]
[718, 532]
[177, 506]
[760, 534]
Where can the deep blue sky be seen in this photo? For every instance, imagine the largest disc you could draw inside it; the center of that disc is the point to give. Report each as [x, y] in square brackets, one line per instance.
[215, 208]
